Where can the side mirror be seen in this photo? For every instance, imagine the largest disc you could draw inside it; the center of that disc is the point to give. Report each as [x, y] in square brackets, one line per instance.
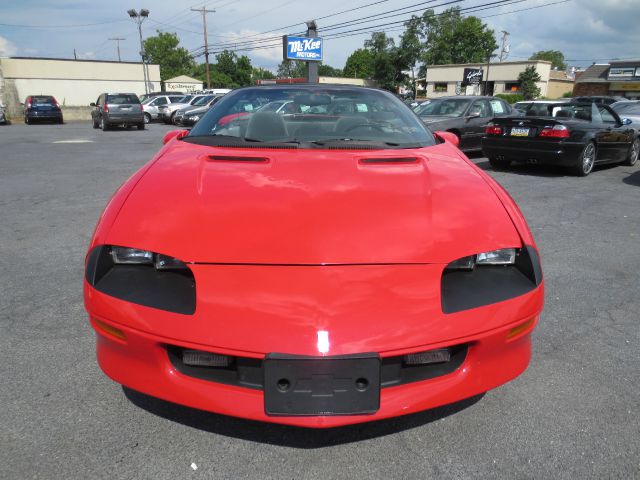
[447, 137]
[92, 104]
[626, 121]
[177, 134]
[473, 115]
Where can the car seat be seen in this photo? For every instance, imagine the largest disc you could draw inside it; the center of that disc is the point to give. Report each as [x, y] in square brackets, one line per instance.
[266, 126]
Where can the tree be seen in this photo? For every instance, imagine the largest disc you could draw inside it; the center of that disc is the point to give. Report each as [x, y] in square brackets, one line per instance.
[387, 63]
[262, 73]
[173, 60]
[359, 64]
[449, 37]
[554, 56]
[329, 71]
[291, 69]
[527, 79]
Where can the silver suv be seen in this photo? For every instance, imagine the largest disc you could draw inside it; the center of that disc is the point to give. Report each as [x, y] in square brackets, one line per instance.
[113, 109]
[152, 105]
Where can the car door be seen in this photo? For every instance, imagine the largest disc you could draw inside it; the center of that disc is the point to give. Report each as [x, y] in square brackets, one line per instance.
[613, 138]
[96, 113]
[476, 119]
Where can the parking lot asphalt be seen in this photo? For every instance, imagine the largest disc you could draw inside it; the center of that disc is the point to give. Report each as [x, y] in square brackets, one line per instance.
[575, 413]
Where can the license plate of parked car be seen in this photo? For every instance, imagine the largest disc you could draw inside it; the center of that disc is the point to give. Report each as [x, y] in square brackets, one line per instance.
[519, 132]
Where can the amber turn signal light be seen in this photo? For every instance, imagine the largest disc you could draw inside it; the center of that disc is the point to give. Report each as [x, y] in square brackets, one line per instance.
[108, 329]
[522, 328]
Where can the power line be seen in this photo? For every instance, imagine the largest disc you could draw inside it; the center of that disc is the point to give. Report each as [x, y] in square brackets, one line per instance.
[118, 40]
[60, 26]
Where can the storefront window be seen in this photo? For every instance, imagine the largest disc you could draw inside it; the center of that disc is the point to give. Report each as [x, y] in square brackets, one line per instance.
[511, 87]
[439, 87]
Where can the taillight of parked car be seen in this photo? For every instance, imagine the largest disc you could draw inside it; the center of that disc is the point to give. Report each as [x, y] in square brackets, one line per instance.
[141, 108]
[493, 129]
[106, 107]
[55, 103]
[29, 102]
[557, 131]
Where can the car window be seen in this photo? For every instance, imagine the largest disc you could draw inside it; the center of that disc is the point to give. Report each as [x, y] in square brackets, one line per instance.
[161, 101]
[605, 115]
[538, 110]
[498, 107]
[481, 107]
[521, 106]
[42, 100]
[122, 99]
[176, 99]
[310, 116]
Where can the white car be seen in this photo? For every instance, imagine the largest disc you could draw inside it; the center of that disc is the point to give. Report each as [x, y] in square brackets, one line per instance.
[168, 111]
[536, 108]
[151, 106]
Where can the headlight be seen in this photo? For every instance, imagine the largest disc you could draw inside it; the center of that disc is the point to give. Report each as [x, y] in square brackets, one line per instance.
[194, 118]
[504, 256]
[134, 256]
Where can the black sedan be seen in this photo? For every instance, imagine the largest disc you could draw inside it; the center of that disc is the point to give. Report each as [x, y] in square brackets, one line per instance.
[575, 135]
[465, 116]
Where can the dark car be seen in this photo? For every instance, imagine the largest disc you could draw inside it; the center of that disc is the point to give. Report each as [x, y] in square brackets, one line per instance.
[575, 135]
[192, 115]
[466, 116]
[201, 102]
[599, 99]
[123, 109]
[42, 107]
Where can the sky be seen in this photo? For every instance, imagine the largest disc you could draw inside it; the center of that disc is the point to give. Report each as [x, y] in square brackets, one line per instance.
[586, 31]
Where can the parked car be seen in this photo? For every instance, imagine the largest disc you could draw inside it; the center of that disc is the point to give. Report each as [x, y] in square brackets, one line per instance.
[3, 116]
[600, 99]
[188, 117]
[117, 109]
[465, 116]
[168, 111]
[146, 96]
[151, 105]
[534, 108]
[201, 101]
[575, 135]
[41, 107]
[364, 270]
[628, 109]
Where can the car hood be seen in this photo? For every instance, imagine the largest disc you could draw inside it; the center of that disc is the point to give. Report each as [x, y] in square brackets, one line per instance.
[215, 205]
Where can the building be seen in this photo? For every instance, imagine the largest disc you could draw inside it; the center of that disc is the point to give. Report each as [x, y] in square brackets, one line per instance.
[618, 78]
[444, 80]
[74, 83]
[182, 83]
[359, 82]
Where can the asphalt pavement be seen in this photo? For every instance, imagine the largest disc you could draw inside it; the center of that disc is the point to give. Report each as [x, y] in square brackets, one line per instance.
[575, 413]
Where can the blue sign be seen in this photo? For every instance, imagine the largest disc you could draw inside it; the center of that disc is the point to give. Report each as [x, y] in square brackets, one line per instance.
[308, 49]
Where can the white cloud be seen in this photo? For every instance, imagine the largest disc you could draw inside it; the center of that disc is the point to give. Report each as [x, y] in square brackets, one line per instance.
[7, 48]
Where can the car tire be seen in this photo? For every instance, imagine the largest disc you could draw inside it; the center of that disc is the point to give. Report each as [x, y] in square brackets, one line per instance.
[634, 152]
[95, 124]
[27, 121]
[147, 118]
[103, 125]
[499, 163]
[586, 160]
[172, 119]
[141, 126]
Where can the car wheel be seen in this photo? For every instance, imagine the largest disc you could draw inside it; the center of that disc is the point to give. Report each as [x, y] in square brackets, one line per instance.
[27, 121]
[141, 126]
[103, 125]
[95, 124]
[634, 151]
[499, 163]
[586, 160]
[147, 118]
[172, 119]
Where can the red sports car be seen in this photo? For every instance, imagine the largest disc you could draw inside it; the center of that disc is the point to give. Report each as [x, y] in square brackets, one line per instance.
[334, 264]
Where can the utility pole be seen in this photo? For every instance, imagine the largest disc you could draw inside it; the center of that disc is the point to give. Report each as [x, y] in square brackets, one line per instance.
[504, 51]
[139, 18]
[204, 12]
[118, 39]
[75, 57]
[486, 81]
[312, 67]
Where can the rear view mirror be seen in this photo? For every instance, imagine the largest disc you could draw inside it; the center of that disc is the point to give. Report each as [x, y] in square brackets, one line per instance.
[92, 104]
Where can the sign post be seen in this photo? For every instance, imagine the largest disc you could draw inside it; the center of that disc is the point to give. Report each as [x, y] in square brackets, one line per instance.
[307, 49]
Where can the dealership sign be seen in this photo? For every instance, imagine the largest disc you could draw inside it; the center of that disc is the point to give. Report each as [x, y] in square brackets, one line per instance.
[472, 76]
[307, 49]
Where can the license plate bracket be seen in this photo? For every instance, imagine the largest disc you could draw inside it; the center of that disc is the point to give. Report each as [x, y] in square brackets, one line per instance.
[312, 386]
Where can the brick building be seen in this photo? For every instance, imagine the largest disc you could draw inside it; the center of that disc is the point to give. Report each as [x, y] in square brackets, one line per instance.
[618, 78]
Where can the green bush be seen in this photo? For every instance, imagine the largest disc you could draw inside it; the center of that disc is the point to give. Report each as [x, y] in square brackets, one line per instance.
[567, 95]
[511, 97]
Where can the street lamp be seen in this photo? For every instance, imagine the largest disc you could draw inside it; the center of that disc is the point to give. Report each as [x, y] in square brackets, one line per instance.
[139, 18]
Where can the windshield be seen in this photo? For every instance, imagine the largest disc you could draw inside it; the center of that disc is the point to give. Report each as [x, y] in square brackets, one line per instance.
[42, 100]
[311, 117]
[445, 107]
[122, 99]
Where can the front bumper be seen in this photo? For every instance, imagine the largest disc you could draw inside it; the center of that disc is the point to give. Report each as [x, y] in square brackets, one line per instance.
[562, 153]
[251, 312]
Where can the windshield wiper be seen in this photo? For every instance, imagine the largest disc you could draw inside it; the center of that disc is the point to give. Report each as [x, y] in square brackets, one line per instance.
[353, 140]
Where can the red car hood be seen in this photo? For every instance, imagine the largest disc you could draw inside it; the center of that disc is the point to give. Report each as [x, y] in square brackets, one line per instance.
[312, 207]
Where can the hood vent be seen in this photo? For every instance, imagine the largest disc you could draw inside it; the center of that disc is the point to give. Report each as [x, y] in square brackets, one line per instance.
[233, 158]
[387, 160]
